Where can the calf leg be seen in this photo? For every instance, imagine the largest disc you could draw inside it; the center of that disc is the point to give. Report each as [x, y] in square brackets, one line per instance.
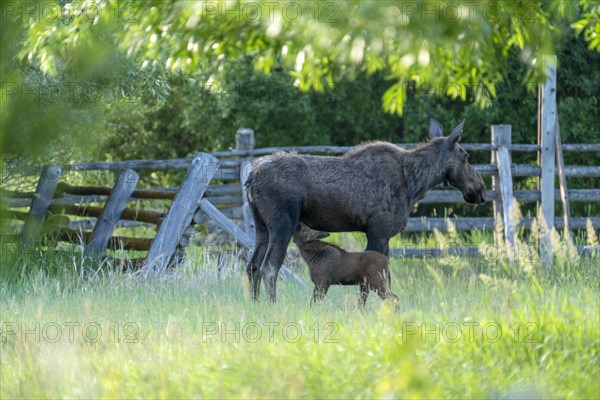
[319, 292]
[380, 285]
[364, 292]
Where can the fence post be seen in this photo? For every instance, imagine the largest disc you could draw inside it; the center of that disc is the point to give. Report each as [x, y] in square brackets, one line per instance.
[497, 209]
[562, 184]
[115, 205]
[547, 158]
[501, 136]
[186, 237]
[180, 214]
[244, 140]
[39, 205]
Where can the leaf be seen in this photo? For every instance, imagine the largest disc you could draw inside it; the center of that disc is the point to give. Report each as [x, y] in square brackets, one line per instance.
[393, 98]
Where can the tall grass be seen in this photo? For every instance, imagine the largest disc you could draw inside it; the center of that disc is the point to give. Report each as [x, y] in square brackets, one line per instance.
[465, 327]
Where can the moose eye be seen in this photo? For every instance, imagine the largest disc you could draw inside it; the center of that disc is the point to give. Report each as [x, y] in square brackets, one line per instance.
[466, 157]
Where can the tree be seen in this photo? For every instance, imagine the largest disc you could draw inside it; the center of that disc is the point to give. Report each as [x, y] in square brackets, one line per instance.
[458, 48]
[446, 43]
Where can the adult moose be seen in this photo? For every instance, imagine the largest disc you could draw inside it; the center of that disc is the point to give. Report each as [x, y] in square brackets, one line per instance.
[371, 189]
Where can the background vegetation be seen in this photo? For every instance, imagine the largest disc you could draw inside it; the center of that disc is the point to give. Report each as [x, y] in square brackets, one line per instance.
[140, 76]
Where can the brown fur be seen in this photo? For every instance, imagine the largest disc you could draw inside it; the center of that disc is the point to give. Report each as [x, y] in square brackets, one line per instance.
[331, 265]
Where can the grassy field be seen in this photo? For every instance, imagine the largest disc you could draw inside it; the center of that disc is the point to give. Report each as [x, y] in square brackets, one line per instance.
[466, 328]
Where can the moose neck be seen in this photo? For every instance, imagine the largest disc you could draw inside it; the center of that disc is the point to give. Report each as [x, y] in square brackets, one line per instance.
[423, 170]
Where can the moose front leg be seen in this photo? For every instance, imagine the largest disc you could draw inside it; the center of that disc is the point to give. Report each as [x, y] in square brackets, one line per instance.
[381, 228]
[380, 245]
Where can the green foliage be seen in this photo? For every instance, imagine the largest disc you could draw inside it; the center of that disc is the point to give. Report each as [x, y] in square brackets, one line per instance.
[589, 25]
[187, 121]
[57, 103]
[464, 44]
[199, 116]
[464, 50]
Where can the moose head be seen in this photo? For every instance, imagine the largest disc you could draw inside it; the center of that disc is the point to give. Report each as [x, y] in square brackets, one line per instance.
[458, 172]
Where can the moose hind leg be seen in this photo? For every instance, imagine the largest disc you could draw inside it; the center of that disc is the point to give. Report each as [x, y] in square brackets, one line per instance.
[281, 226]
[270, 268]
[258, 256]
[278, 244]
[253, 267]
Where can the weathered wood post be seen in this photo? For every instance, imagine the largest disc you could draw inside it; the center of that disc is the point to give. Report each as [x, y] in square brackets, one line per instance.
[501, 136]
[497, 204]
[180, 214]
[562, 184]
[186, 237]
[39, 205]
[115, 205]
[244, 140]
[547, 158]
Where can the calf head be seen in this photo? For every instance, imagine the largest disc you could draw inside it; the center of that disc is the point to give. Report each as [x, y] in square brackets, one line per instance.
[458, 172]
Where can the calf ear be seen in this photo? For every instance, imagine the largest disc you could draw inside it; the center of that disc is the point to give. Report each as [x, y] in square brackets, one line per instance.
[455, 135]
[435, 129]
[321, 235]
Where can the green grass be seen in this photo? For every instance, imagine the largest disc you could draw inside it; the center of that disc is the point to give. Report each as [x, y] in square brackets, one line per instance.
[524, 331]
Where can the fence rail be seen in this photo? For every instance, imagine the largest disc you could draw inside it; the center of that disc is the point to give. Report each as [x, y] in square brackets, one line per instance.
[231, 193]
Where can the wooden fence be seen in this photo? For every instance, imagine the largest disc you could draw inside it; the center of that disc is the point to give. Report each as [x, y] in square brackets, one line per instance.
[213, 190]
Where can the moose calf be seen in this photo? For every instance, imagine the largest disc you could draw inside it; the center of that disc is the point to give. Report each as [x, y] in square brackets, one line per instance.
[332, 265]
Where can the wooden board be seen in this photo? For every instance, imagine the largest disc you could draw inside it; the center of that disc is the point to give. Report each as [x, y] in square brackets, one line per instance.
[111, 214]
[40, 203]
[181, 212]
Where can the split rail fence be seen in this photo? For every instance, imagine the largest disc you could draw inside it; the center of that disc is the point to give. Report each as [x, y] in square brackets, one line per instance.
[212, 189]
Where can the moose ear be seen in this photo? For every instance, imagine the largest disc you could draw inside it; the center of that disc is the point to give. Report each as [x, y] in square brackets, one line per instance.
[435, 129]
[455, 135]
